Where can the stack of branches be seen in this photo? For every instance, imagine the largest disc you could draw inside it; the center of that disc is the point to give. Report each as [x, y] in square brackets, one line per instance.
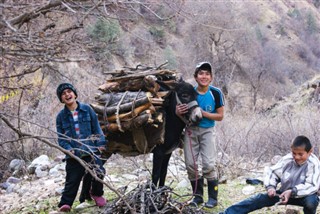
[130, 109]
[146, 198]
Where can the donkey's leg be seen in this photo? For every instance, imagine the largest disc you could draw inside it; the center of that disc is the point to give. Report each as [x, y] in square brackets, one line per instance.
[158, 155]
[164, 169]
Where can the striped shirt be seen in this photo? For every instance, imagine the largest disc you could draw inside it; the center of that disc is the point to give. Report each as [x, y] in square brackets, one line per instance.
[76, 122]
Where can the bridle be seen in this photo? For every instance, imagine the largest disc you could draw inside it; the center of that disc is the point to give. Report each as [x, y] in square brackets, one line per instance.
[191, 105]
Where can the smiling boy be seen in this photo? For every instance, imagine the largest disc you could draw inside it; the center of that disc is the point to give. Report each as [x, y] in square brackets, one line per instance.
[299, 176]
[79, 132]
[200, 140]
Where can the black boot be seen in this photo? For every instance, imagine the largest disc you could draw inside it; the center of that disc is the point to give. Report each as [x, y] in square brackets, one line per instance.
[197, 188]
[212, 193]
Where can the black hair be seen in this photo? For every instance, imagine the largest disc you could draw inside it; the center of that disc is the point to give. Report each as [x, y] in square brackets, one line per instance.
[302, 141]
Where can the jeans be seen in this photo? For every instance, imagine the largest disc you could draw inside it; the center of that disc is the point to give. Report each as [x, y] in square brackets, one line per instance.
[258, 201]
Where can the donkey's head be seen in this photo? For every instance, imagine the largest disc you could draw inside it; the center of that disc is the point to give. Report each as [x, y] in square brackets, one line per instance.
[185, 93]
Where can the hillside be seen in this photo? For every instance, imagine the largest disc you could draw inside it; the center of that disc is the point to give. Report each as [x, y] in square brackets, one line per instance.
[265, 56]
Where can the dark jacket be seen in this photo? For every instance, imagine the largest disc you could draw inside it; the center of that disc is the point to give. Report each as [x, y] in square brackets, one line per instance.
[91, 136]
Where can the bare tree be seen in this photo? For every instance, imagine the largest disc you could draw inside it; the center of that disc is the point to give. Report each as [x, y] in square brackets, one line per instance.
[38, 37]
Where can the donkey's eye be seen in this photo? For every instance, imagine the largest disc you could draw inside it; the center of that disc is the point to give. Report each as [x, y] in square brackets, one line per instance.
[185, 95]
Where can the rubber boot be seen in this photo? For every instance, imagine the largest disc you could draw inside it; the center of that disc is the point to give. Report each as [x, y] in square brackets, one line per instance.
[197, 187]
[212, 194]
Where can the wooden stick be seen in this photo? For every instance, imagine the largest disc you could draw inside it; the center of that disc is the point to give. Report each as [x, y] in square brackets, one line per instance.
[122, 108]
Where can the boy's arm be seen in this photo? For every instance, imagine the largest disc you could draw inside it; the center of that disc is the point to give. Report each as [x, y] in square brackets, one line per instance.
[61, 138]
[312, 182]
[273, 173]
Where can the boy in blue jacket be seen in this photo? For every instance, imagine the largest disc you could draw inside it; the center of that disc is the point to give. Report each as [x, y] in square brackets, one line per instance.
[79, 132]
[299, 176]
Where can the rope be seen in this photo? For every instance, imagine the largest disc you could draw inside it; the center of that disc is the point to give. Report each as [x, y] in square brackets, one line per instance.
[117, 112]
[105, 117]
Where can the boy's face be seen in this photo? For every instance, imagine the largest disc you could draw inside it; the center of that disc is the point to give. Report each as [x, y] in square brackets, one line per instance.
[203, 78]
[300, 155]
[68, 97]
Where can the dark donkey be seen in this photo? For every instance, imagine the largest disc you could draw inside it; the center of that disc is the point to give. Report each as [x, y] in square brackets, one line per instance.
[182, 92]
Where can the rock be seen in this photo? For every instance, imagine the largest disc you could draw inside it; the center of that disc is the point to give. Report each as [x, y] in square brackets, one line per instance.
[10, 188]
[183, 184]
[40, 173]
[41, 161]
[4, 185]
[54, 172]
[16, 166]
[82, 206]
[130, 177]
[13, 180]
[248, 190]
[59, 191]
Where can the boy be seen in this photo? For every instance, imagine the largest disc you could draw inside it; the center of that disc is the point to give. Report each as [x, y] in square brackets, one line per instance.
[200, 139]
[80, 133]
[298, 173]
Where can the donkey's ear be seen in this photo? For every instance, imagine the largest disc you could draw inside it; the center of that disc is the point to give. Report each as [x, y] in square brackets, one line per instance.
[181, 80]
[167, 85]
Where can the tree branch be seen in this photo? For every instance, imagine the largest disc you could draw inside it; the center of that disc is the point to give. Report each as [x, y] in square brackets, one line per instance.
[83, 163]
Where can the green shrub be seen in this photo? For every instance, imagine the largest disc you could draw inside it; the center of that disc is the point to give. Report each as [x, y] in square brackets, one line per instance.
[157, 33]
[294, 13]
[105, 31]
[170, 57]
[312, 26]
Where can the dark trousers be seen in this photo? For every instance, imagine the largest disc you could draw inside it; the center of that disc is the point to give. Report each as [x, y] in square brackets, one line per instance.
[75, 172]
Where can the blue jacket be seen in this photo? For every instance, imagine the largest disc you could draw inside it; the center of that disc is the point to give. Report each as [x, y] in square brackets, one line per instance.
[91, 135]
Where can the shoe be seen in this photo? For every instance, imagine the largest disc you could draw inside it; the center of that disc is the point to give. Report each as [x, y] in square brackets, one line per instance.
[65, 208]
[196, 201]
[100, 201]
[211, 203]
[212, 194]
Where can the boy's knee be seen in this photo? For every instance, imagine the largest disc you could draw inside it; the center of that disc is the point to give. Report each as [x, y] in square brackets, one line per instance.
[311, 203]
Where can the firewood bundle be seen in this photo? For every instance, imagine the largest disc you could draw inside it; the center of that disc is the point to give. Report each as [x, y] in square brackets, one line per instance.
[130, 109]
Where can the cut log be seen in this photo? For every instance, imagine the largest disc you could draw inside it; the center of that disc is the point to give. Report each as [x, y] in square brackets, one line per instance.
[131, 114]
[109, 87]
[141, 75]
[162, 93]
[123, 143]
[140, 140]
[134, 82]
[135, 123]
[157, 101]
[100, 109]
[112, 99]
[150, 84]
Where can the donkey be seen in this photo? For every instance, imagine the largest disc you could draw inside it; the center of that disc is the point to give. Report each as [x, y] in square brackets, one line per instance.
[182, 92]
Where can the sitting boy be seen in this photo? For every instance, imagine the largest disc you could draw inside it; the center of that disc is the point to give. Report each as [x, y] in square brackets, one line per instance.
[299, 175]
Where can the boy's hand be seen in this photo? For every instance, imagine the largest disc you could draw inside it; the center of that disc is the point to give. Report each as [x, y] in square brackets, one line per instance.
[181, 109]
[272, 192]
[102, 148]
[285, 196]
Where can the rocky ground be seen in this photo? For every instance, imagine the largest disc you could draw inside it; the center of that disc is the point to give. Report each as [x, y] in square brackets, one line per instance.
[40, 192]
